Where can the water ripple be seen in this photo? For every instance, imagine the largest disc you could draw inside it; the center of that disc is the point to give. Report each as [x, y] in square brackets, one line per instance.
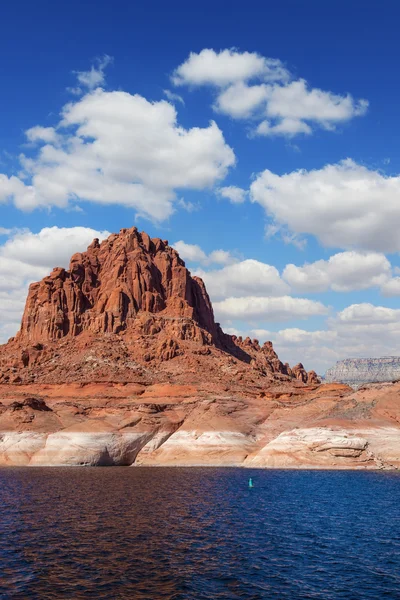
[194, 534]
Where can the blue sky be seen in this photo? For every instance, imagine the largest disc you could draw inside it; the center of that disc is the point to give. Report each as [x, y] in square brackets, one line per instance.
[154, 114]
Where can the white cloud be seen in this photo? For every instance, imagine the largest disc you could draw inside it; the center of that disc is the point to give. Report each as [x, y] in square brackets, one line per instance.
[344, 205]
[342, 272]
[317, 350]
[193, 253]
[27, 257]
[116, 148]
[391, 287]
[260, 334]
[95, 77]
[241, 100]
[250, 86]
[360, 330]
[286, 126]
[190, 252]
[368, 314]
[297, 336]
[52, 246]
[225, 67]
[221, 257]
[245, 278]
[296, 101]
[75, 91]
[42, 134]
[172, 97]
[233, 193]
[253, 308]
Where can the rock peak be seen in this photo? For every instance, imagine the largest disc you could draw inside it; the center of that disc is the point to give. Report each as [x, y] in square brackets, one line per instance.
[106, 287]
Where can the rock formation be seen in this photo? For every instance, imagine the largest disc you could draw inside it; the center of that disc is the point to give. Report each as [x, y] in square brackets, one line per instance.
[106, 287]
[119, 361]
[123, 305]
[358, 371]
[296, 426]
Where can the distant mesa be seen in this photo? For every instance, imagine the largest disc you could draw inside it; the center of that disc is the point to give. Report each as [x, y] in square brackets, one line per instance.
[359, 371]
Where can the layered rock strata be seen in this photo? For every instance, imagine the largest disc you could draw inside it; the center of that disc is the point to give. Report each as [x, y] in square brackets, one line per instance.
[318, 427]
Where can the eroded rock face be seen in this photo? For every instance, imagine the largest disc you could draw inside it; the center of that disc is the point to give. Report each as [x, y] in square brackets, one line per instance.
[358, 371]
[292, 426]
[106, 287]
[129, 309]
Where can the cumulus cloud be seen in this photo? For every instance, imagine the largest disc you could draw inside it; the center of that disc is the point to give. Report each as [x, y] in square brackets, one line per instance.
[209, 67]
[391, 287]
[234, 194]
[27, 257]
[52, 246]
[190, 252]
[42, 134]
[344, 205]
[295, 105]
[193, 253]
[342, 272]
[221, 257]
[252, 308]
[298, 336]
[317, 350]
[246, 278]
[250, 86]
[240, 100]
[295, 100]
[118, 148]
[286, 126]
[368, 314]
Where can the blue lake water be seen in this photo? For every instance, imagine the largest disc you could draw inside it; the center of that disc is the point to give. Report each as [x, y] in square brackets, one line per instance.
[177, 534]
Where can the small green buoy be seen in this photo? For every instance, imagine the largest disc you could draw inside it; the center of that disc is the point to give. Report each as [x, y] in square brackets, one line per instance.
[250, 483]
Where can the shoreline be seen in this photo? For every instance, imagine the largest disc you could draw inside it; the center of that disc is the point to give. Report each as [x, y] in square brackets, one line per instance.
[322, 448]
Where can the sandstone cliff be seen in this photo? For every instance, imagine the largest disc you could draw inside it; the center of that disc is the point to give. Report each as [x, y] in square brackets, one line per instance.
[358, 371]
[328, 426]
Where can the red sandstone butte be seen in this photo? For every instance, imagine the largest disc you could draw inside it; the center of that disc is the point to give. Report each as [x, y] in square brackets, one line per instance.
[119, 361]
[134, 305]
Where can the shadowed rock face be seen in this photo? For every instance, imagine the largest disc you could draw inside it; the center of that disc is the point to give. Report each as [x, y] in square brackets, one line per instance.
[124, 309]
[358, 371]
